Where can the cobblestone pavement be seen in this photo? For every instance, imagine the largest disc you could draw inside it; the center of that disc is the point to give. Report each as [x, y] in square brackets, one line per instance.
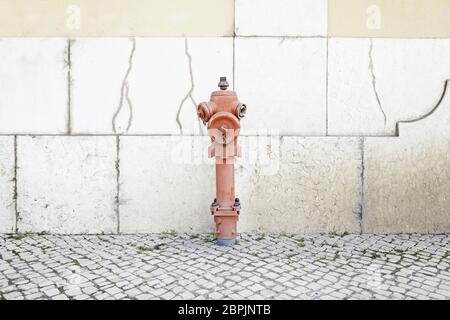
[170, 266]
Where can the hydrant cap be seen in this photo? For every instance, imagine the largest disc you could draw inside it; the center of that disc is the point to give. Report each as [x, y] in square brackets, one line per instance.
[223, 83]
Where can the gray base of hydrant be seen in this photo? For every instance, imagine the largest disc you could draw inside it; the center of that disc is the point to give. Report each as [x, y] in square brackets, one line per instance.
[225, 242]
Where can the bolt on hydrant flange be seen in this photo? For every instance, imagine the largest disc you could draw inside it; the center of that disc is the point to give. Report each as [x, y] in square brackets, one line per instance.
[222, 115]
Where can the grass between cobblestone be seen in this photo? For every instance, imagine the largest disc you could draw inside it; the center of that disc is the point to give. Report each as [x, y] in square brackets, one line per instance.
[260, 266]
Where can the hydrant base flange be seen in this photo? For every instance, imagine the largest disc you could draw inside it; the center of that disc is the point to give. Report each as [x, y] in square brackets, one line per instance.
[225, 242]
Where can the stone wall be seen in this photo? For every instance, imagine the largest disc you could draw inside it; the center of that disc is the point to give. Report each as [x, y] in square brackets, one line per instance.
[342, 134]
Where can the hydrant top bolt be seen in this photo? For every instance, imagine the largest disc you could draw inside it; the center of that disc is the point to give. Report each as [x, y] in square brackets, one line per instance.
[223, 84]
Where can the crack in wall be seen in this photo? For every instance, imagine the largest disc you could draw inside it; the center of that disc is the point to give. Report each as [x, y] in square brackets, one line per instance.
[68, 61]
[15, 194]
[360, 211]
[374, 81]
[189, 93]
[124, 93]
[117, 209]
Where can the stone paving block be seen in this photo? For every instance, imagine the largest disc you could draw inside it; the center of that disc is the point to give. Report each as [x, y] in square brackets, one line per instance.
[67, 184]
[283, 83]
[144, 85]
[7, 202]
[407, 178]
[352, 281]
[34, 90]
[373, 83]
[281, 17]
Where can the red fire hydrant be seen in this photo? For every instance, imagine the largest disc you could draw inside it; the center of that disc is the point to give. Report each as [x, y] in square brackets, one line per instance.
[222, 114]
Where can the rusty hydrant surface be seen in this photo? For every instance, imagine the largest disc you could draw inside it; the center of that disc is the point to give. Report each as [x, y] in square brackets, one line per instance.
[222, 115]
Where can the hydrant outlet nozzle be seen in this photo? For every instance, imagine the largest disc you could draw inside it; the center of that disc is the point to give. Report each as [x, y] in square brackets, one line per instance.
[241, 109]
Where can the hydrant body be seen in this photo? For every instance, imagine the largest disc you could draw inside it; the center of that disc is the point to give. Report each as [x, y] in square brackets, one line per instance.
[222, 115]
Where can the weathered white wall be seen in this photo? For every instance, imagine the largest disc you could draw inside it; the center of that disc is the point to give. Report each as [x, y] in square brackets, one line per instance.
[66, 184]
[373, 83]
[284, 80]
[305, 185]
[163, 185]
[148, 83]
[100, 135]
[314, 188]
[7, 185]
[33, 90]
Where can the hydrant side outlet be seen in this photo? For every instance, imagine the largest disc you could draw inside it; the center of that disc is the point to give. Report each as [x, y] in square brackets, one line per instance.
[222, 116]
